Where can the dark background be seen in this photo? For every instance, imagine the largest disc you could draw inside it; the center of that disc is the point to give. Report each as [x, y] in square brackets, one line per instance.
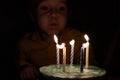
[99, 19]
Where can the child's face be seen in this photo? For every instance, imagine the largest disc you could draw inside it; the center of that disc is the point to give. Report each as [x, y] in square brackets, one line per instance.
[52, 16]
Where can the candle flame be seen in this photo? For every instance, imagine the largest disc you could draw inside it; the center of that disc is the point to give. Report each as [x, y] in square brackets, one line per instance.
[86, 37]
[55, 39]
[61, 46]
[85, 44]
[72, 42]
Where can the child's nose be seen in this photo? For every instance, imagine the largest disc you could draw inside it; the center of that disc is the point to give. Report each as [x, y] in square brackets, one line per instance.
[53, 13]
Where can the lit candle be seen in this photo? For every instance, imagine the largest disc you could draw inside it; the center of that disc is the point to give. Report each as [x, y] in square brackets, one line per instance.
[72, 52]
[84, 45]
[62, 46]
[87, 52]
[57, 51]
[81, 59]
[64, 59]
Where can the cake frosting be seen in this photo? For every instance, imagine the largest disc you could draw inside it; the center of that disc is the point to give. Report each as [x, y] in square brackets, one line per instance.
[71, 72]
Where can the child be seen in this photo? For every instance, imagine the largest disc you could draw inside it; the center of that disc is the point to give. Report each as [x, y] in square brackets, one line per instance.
[38, 48]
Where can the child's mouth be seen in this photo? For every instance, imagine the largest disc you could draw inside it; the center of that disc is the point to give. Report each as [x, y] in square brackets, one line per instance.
[53, 24]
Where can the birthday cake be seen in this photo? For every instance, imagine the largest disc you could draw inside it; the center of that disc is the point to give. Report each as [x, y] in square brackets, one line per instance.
[71, 71]
[74, 72]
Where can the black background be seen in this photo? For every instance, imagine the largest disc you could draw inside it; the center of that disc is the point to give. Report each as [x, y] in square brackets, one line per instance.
[99, 19]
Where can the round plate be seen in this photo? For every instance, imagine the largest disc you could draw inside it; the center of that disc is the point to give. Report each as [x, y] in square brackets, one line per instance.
[72, 72]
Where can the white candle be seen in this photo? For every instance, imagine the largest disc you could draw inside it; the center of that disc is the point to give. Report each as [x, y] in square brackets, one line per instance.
[62, 46]
[58, 56]
[87, 52]
[72, 52]
[57, 51]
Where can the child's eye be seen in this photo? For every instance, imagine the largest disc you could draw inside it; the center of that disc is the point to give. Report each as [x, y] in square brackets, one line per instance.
[44, 8]
[62, 9]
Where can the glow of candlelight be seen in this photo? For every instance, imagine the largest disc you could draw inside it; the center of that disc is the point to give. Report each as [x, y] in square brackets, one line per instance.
[85, 44]
[72, 52]
[55, 39]
[86, 37]
[61, 46]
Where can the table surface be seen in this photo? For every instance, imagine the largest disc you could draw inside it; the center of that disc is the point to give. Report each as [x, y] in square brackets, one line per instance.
[72, 72]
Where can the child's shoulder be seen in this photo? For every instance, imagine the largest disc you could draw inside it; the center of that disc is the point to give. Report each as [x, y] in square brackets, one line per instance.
[29, 36]
[26, 40]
